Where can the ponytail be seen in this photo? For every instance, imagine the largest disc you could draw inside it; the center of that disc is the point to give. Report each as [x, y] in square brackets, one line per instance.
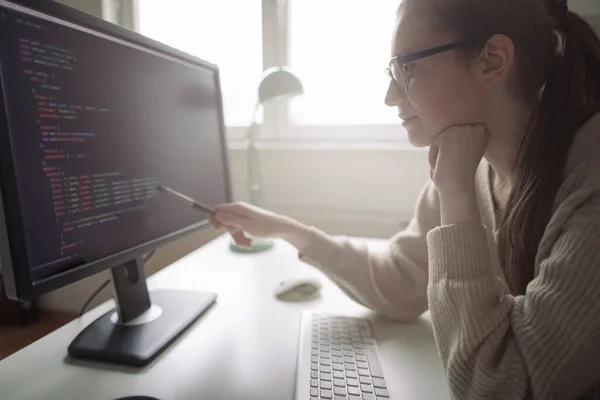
[570, 97]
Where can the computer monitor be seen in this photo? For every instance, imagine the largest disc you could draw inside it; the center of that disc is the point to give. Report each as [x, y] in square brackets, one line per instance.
[92, 118]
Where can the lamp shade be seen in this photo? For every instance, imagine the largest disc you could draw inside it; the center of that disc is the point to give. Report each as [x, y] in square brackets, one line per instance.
[278, 82]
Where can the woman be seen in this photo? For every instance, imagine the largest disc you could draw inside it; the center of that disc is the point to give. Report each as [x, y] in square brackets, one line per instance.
[504, 246]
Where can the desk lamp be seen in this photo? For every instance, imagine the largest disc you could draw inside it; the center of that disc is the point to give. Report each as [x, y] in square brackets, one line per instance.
[278, 83]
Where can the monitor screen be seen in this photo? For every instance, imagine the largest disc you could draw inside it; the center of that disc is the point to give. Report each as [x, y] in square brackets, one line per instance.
[95, 122]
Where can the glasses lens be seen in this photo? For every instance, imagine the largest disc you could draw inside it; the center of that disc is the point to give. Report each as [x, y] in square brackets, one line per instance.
[397, 74]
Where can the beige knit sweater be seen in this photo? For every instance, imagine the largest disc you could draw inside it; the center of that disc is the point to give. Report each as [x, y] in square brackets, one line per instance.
[543, 345]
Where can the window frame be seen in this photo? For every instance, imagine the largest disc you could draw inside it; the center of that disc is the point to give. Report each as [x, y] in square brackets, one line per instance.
[276, 123]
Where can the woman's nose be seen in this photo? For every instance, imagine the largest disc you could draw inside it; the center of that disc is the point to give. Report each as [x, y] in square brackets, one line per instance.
[393, 97]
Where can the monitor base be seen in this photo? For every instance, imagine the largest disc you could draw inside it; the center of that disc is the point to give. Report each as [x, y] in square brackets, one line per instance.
[139, 341]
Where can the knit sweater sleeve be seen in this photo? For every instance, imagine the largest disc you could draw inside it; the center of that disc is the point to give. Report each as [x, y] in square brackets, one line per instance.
[542, 345]
[392, 282]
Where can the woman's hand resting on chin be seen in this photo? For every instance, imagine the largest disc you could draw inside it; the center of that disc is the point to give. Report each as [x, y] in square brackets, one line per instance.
[455, 155]
[454, 158]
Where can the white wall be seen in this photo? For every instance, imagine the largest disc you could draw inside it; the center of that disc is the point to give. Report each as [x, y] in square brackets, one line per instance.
[356, 190]
[585, 7]
[93, 7]
[589, 9]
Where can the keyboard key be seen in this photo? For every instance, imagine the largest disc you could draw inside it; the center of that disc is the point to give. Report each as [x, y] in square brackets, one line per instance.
[315, 346]
[360, 357]
[338, 375]
[381, 392]
[363, 372]
[348, 353]
[326, 385]
[349, 360]
[366, 330]
[314, 367]
[368, 396]
[350, 367]
[326, 394]
[353, 391]
[325, 369]
[347, 347]
[338, 367]
[339, 383]
[314, 392]
[351, 398]
[366, 388]
[314, 383]
[314, 375]
[338, 360]
[336, 347]
[325, 377]
[339, 398]
[336, 353]
[324, 361]
[374, 365]
[352, 382]
[339, 391]
[359, 350]
[365, 380]
[351, 374]
[379, 383]
[362, 364]
[314, 352]
[314, 359]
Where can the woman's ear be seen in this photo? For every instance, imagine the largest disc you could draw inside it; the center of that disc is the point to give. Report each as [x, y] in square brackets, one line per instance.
[495, 61]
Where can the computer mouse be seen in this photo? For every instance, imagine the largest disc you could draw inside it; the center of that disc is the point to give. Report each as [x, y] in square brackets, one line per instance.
[297, 289]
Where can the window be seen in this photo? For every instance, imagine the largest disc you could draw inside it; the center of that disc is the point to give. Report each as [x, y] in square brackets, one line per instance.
[225, 32]
[338, 48]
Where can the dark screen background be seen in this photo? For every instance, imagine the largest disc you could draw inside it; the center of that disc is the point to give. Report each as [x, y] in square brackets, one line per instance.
[95, 125]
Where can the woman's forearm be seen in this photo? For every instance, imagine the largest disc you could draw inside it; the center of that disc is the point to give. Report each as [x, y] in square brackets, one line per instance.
[295, 232]
[459, 205]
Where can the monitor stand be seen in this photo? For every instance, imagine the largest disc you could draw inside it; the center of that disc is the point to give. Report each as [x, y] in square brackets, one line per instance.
[143, 324]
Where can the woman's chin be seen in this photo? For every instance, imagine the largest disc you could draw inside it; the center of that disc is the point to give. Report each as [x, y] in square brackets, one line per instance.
[417, 139]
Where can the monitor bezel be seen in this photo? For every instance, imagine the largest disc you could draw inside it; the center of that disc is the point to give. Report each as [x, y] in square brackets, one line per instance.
[15, 269]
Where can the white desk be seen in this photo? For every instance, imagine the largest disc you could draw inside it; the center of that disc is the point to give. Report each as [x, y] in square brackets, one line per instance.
[244, 347]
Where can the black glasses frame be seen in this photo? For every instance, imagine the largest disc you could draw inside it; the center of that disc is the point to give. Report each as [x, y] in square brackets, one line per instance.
[402, 60]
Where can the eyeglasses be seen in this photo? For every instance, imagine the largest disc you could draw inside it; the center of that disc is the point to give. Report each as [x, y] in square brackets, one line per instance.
[400, 66]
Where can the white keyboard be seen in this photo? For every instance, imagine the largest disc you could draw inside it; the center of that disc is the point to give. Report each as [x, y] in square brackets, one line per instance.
[338, 359]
